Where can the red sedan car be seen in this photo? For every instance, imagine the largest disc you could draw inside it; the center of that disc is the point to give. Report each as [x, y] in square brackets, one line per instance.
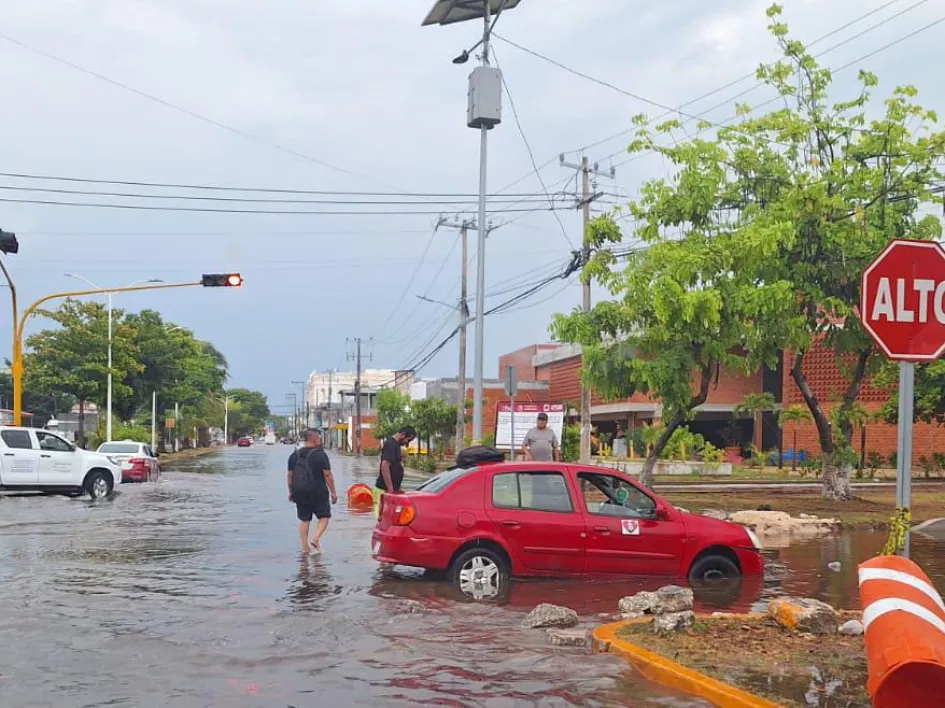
[138, 461]
[486, 524]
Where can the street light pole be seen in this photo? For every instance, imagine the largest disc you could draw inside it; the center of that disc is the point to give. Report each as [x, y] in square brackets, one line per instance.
[108, 394]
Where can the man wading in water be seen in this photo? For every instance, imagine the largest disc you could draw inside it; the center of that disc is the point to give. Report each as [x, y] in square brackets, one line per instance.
[392, 469]
[310, 483]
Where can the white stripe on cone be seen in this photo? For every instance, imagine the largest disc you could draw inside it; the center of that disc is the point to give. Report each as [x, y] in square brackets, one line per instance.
[904, 578]
[894, 604]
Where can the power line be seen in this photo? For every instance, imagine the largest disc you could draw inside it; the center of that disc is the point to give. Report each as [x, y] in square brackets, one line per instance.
[834, 71]
[531, 155]
[252, 200]
[235, 188]
[221, 210]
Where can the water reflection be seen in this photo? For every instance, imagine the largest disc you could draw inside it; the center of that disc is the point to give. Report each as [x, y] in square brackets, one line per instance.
[312, 584]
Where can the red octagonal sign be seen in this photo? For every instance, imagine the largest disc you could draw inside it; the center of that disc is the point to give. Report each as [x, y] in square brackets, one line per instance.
[902, 300]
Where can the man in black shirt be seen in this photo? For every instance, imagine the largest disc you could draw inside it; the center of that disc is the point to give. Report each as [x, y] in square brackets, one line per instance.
[310, 484]
[392, 469]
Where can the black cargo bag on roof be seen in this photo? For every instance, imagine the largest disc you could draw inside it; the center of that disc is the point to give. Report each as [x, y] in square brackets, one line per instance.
[478, 455]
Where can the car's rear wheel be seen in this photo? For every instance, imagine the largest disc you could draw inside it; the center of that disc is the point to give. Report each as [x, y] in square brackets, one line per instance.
[480, 573]
[713, 568]
[98, 485]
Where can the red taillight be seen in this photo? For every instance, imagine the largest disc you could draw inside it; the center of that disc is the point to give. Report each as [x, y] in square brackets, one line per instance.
[137, 461]
[404, 513]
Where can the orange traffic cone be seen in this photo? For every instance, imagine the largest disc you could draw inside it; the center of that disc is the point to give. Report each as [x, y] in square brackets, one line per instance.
[360, 497]
[904, 619]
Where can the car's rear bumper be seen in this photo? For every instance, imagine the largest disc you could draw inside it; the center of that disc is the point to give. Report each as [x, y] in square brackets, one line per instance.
[398, 545]
[135, 474]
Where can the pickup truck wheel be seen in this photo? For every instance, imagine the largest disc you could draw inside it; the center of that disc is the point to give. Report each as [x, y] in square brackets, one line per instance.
[98, 485]
[479, 573]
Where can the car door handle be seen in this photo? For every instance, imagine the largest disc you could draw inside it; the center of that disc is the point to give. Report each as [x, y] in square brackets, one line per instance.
[44, 455]
[601, 529]
[9, 454]
[511, 524]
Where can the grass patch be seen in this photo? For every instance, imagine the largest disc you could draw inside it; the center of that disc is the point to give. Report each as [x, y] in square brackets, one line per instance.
[871, 507]
[794, 670]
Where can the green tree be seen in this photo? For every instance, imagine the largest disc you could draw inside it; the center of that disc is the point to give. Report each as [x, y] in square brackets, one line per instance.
[73, 359]
[754, 406]
[392, 412]
[929, 406]
[797, 415]
[803, 196]
[249, 411]
[433, 418]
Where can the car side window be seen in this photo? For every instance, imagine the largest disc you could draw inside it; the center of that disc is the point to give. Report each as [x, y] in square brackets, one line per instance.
[52, 443]
[606, 495]
[17, 439]
[535, 491]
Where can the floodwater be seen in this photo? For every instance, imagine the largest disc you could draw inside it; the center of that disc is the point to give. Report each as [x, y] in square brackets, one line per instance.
[191, 593]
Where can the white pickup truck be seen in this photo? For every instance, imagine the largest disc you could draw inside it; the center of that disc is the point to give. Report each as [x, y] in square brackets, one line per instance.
[34, 459]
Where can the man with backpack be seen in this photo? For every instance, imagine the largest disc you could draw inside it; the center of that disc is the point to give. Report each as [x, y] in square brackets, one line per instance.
[312, 488]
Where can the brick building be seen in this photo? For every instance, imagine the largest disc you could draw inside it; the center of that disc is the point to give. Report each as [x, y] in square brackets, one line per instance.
[715, 420]
[523, 361]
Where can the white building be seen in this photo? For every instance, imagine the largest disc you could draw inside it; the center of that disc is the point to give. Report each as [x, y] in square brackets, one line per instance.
[321, 382]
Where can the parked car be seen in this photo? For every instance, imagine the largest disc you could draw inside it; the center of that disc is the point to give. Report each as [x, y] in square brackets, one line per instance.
[486, 524]
[244, 442]
[138, 461]
[35, 459]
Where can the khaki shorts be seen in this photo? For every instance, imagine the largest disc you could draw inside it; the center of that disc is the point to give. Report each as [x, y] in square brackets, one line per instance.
[377, 493]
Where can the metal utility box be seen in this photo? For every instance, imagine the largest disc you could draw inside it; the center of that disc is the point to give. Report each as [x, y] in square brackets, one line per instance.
[485, 97]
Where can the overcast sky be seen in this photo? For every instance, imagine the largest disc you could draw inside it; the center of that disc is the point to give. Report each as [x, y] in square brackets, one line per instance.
[266, 92]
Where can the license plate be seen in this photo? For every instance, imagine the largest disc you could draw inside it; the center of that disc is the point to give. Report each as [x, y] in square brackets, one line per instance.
[376, 548]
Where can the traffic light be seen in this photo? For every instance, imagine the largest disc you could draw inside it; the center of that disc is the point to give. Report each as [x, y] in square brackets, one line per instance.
[222, 280]
[8, 242]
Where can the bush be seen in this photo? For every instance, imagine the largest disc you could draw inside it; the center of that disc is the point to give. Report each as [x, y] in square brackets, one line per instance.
[712, 455]
[571, 443]
[894, 459]
[372, 451]
[926, 464]
[683, 445]
[424, 463]
[939, 459]
[874, 461]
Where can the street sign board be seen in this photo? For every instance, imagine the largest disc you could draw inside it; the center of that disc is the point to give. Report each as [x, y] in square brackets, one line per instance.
[902, 300]
[170, 423]
[511, 381]
[526, 417]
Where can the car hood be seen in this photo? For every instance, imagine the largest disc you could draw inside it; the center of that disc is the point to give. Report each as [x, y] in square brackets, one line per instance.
[727, 532]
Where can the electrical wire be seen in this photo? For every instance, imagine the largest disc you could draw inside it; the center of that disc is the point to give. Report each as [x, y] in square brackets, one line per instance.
[230, 210]
[531, 155]
[234, 188]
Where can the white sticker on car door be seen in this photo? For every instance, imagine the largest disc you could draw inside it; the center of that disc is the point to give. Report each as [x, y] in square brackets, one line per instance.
[629, 527]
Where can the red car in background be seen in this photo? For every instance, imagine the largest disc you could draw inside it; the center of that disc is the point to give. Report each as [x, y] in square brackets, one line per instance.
[485, 524]
[244, 442]
[138, 462]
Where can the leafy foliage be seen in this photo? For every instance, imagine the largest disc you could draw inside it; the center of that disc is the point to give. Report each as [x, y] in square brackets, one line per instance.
[392, 409]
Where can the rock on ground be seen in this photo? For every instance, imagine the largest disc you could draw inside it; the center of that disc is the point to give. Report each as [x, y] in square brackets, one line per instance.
[835, 566]
[672, 598]
[778, 522]
[804, 615]
[547, 615]
[637, 604]
[852, 628]
[569, 637]
[672, 621]
[716, 514]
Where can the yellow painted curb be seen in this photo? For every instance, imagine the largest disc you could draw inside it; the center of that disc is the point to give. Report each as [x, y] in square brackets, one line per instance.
[668, 673]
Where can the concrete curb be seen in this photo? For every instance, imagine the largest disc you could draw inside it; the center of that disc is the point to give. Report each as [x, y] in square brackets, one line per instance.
[673, 675]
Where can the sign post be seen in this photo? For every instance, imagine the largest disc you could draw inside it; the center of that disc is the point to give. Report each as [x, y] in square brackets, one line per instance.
[902, 307]
[511, 388]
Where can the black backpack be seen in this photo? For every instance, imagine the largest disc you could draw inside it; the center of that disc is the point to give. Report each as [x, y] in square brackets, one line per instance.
[303, 479]
[477, 455]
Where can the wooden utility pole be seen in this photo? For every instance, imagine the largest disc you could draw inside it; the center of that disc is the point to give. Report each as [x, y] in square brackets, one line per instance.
[585, 204]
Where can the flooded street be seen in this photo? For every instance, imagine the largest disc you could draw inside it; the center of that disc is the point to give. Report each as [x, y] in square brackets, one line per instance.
[191, 592]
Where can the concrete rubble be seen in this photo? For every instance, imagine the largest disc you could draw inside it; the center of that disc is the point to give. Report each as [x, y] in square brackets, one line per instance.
[715, 514]
[569, 637]
[671, 607]
[777, 528]
[804, 615]
[547, 615]
[852, 628]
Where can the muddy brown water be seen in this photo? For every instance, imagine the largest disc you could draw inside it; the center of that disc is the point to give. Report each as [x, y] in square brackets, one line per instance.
[191, 592]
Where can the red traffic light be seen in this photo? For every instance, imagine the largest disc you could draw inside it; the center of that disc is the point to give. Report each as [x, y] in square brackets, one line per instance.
[222, 280]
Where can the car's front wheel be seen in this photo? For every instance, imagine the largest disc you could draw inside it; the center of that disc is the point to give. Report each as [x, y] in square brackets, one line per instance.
[98, 485]
[712, 568]
[480, 573]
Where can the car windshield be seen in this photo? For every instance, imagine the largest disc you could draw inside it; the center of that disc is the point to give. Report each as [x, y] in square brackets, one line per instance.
[444, 479]
[118, 448]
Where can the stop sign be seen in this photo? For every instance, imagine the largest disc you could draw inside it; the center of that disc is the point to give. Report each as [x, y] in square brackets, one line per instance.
[902, 300]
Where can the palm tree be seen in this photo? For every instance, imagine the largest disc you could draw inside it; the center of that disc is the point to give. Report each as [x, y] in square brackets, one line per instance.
[794, 414]
[754, 406]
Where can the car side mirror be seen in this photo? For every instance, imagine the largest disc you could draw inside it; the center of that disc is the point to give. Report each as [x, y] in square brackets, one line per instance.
[663, 513]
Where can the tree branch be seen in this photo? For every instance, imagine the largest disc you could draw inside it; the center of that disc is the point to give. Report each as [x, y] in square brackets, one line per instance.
[813, 405]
